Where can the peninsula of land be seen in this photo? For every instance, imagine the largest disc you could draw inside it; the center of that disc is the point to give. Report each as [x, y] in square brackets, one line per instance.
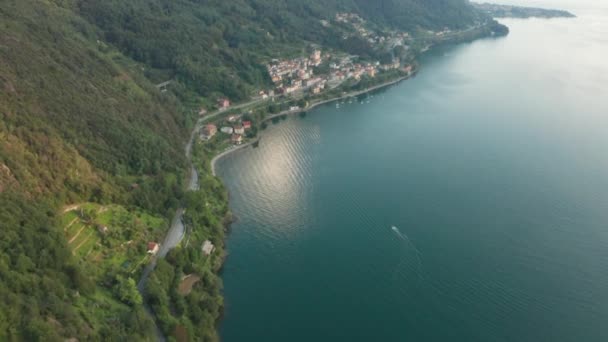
[508, 11]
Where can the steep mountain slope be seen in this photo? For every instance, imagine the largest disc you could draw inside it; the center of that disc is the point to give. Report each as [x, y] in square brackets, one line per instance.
[66, 103]
[77, 124]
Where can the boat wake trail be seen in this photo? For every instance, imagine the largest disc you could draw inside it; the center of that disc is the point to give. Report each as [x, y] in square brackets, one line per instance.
[410, 274]
[398, 232]
[412, 247]
[405, 238]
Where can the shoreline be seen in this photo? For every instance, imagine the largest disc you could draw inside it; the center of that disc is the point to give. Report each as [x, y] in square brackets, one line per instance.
[312, 106]
[227, 152]
[174, 235]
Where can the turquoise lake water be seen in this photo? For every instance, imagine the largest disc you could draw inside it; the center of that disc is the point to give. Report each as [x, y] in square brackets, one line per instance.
[492, 164]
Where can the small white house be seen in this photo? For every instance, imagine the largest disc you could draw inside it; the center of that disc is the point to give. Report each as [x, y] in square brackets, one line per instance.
[239, 129]
[207, 247]
[153, 248]
[227, 130]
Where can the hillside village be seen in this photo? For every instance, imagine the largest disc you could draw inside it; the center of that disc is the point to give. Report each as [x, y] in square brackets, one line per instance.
[298, 75]
[311, 75]
[322, 70]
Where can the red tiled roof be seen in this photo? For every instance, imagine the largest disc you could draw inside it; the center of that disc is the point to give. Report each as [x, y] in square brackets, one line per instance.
[152, 245]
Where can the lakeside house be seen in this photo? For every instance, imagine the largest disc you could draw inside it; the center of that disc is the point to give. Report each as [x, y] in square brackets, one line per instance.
[233, 118]
[303, 74]
[312, 82]
[208, 131]
[227, 130]
[237, 139]
[291, 89]
[207, 247]
[371, 71]
[239, 129]
[396, 63]
[153, 248]
[223, 103]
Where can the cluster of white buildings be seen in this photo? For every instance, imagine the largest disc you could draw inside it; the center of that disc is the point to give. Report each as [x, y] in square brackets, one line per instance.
[236, 128]
[444, 32]
[233, 126]
[344, 17]
[346, 69]
[296, 74]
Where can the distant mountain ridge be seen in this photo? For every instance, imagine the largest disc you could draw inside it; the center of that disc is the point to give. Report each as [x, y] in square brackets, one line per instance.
[508, 11]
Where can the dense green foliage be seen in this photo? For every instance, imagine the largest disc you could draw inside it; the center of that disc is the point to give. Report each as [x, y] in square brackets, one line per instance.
[413, 14]
[196, 312]
[38, 281]
[222, 44]
[78, 122]
[81, 121]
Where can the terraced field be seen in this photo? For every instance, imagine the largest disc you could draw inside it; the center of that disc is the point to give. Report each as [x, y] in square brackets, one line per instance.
[111, 237]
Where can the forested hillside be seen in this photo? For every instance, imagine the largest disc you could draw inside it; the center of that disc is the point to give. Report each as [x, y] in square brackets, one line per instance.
[412, 14]
[81, 121]
[78, 123]
[222, 44]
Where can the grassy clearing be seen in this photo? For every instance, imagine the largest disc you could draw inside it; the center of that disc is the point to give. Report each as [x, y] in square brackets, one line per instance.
[111, 240]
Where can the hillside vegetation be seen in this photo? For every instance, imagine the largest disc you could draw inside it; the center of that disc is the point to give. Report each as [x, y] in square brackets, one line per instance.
[82, 124]
[222, 44]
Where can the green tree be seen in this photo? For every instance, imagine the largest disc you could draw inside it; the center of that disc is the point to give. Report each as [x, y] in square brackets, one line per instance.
[126, 291]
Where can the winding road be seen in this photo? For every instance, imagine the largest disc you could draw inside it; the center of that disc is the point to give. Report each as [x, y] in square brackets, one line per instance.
[177, 230]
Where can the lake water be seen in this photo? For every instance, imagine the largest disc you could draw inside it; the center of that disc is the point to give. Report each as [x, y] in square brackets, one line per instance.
[492, 164]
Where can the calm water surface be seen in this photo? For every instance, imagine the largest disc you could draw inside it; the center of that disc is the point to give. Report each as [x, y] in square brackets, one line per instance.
[492, 165]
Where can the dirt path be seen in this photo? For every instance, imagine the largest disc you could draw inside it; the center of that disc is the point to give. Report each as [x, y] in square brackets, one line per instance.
[70, 208]
[83, 242]
[65, 229]
[75, 236]
[185, 287]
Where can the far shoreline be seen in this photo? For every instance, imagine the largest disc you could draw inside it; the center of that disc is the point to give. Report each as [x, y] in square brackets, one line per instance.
[219, 156]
